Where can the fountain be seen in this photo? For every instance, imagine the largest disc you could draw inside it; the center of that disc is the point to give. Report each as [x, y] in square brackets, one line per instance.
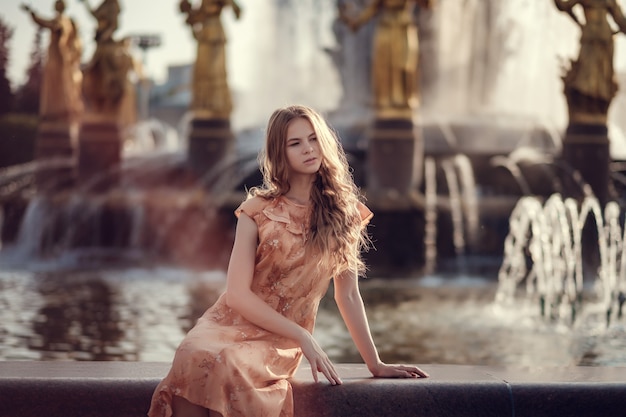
[550, 234]
[140, 242]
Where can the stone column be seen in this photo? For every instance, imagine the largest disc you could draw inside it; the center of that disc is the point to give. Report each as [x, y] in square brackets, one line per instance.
[395, 157]
[210, 141]
[393, 176]
[99, 153]
[56, 139]
[586, 149]
[100, 136]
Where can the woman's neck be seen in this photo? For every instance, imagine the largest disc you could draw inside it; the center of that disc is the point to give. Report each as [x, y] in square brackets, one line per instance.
[300, 189]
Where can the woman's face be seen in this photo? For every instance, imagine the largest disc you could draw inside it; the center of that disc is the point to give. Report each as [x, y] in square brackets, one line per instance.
[302, 148]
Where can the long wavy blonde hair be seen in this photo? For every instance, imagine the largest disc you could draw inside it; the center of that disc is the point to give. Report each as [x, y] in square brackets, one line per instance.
[336, 227]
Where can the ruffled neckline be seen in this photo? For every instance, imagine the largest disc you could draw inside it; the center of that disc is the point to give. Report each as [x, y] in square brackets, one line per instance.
[279, 211]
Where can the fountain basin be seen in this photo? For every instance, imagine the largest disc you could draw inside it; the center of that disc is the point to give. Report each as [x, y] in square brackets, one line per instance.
[98, 389]
[142, 314]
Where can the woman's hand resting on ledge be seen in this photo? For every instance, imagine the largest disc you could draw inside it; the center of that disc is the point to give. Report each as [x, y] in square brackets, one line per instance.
[383, 370]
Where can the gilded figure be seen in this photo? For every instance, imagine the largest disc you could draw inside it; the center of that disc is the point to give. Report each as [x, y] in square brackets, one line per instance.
[105, 76]
[135, 75]
[107, 17]
[211, 96]
[60, 93]
[394, 54]
[589, 83]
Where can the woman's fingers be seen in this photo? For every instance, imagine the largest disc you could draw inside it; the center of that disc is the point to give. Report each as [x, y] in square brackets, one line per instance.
[333, 376]
[421, 373]
[399, 371]
[412, 370]
[325, 366]
[319, 361]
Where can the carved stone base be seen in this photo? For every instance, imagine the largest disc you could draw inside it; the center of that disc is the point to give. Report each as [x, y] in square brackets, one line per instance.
[55, 140]
[210, 141]
[586, 149]
[99, 154]
[395, 154]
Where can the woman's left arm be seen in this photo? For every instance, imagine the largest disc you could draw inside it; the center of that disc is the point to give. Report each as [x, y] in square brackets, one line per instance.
[350, 303]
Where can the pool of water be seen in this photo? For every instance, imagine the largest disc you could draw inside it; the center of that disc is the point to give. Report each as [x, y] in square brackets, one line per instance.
[141, 314]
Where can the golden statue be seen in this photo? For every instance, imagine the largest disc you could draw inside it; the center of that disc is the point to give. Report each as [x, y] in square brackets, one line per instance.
[590, 83]
[394, 54]
[75, 52]
[106, 15]
[211, 95]
[135, 75]
[105, 76]
[60, 92]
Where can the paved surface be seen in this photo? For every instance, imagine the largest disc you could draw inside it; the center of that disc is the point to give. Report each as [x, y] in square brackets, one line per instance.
[123, 389]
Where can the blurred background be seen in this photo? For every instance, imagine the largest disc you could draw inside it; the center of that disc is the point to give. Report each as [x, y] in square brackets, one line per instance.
[498, 252]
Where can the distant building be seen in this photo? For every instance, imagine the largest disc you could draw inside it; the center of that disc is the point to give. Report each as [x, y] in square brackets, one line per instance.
[169, 101]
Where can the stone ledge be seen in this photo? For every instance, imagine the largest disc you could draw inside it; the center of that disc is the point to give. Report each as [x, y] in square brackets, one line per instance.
[124, 389]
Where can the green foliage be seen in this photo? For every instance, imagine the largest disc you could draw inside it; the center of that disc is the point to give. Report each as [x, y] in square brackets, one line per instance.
[18, 133]
[28, 95]
[6, 95]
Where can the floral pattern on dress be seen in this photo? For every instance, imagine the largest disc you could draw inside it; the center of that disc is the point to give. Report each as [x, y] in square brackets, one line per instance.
[230, 365]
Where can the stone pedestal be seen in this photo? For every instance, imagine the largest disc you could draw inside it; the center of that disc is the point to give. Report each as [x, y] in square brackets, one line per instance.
[586, 149]
[393, 176]
[394, 157]
[398, 236]
[210, 141]
[99, 154]
[55, 140]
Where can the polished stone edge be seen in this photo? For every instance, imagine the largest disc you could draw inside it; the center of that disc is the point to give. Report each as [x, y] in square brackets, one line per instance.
[124, 389]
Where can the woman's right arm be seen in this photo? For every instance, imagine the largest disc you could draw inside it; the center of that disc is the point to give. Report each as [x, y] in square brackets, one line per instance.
[240, 297]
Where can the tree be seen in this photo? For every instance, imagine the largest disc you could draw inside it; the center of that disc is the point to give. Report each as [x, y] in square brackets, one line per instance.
[6, 95]
[28, 96]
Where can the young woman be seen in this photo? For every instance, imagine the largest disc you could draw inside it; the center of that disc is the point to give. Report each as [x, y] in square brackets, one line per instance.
[304, 226]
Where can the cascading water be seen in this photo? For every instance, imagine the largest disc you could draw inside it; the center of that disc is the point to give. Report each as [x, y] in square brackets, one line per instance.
[460, 202]
[549, 237]
[148, 214]
[430, 213]
[500, 57]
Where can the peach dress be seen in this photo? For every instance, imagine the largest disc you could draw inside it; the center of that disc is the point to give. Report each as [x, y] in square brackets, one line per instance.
[227, 364]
